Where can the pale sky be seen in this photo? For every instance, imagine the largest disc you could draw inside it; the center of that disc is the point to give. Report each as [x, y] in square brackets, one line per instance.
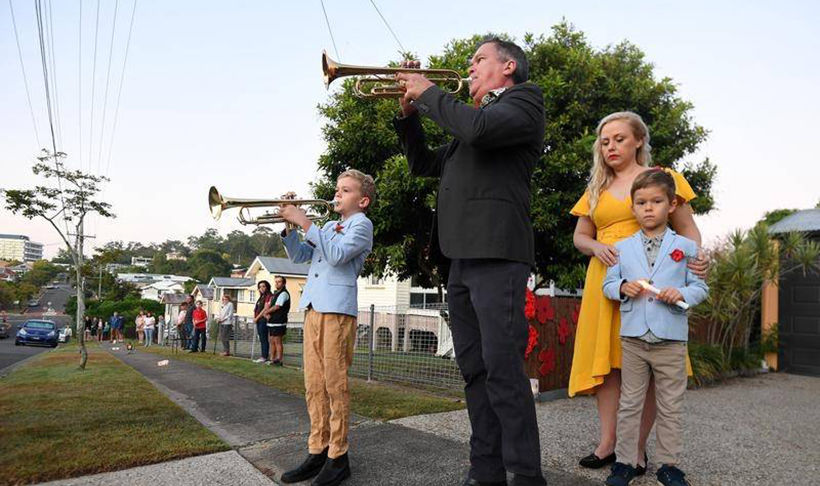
[225, 94]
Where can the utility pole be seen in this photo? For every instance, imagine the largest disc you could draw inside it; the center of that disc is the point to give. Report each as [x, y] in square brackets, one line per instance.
[99, 284]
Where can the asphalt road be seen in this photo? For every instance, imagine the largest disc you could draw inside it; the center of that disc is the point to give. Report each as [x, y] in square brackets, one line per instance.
[10, 354]
[54, 299]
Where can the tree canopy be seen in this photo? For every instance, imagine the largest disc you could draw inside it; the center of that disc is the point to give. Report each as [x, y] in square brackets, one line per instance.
[581, 85]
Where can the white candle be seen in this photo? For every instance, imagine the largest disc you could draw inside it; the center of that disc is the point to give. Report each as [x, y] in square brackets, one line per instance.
[646, 285]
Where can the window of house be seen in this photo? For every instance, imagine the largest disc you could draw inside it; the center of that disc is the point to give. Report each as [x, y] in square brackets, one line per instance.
[251, 296]
[240, 295]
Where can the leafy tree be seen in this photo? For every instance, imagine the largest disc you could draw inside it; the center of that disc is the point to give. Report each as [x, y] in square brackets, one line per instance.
[7, 295]
[210, 240]
[775, 215]
[73, 199]
[206, 263]
[63, 256]
[41, 273]
[581, 85]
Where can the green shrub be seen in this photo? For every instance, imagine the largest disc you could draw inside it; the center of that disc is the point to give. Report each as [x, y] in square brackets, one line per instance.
[707, 363]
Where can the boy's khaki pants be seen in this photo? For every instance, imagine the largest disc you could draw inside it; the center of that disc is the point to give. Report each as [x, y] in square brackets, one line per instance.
[667, 362]
[328, 352]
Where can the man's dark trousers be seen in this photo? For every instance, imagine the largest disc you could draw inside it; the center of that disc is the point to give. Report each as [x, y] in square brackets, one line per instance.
[262, 331]
[486, 303]
[200, 340]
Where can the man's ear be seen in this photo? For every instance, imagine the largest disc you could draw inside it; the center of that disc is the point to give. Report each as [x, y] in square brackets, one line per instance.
[510, 67]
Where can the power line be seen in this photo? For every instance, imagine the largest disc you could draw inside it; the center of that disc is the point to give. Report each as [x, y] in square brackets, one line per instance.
[119, 90]
[80, 83]
[107, 83]
[327, 21]
[25, 78]
[93, 88]
[39, 11]
[403, 50]
[53, 77]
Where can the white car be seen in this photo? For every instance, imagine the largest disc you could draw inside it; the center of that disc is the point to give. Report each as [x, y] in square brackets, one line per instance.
[64, 335]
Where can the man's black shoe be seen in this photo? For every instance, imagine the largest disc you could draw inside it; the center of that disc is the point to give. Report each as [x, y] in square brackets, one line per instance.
[333, 472]
[309, 468]
[621, 474]
[594, 462]
[521, 480]
[671, 476]
[474, 482]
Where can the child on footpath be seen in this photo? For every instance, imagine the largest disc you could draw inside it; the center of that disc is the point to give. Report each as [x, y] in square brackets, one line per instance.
[654, 328]
[337, 252]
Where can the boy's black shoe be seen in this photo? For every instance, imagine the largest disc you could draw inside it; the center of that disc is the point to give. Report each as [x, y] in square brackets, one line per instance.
[309, 468]
[333, 472]
[671, 476]
[621, 474]
[594, 462]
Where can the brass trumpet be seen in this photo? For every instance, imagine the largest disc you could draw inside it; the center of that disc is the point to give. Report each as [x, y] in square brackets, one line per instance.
[379, 82]
[217, 204]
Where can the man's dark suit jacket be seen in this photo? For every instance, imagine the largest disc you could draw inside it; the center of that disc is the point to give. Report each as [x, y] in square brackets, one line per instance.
[484, 194]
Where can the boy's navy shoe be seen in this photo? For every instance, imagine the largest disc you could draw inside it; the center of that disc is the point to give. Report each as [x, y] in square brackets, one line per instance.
[671, 476]
[621, 474]
[333, 472]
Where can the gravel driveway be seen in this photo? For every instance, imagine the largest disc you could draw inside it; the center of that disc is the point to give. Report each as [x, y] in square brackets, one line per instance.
[763, 430]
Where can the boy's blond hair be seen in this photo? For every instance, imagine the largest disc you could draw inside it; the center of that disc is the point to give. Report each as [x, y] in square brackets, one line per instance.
[366, 183]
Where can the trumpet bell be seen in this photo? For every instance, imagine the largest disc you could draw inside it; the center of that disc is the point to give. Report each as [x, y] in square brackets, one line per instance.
[215, 202]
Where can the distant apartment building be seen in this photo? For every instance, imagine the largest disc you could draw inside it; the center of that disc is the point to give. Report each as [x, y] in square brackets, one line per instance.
[20, 248]
[138, 261]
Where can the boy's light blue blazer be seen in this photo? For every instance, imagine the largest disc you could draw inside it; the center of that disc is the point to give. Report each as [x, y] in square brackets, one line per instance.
[336, 258]
[647, 313]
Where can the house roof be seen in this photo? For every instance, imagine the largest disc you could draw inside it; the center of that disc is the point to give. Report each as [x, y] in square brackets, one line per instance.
[173, 298]
[806, 220]
[205, 291]
[163, 285]
[281, 266]
[231, 282]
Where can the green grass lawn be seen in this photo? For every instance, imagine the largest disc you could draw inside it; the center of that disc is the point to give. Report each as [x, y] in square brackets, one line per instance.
[376, 401]
[58, 422]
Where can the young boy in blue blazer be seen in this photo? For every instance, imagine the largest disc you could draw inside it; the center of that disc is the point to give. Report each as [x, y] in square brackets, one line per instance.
[654, 327]
[336, 253]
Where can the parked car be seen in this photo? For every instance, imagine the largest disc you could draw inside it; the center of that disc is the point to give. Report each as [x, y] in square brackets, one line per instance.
[4, 330]
[33, 303]
[64, 335]
[40, 332]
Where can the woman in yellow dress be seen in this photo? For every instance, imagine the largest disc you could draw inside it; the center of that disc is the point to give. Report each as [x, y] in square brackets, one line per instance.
[621, 152]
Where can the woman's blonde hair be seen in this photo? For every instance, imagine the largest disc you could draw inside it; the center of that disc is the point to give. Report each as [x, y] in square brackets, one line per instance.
[601, 175]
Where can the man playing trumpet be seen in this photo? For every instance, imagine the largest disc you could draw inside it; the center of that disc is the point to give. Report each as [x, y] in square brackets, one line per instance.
[483, 227]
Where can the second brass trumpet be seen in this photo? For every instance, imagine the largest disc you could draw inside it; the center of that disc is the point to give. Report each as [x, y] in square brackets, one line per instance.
[217, 204]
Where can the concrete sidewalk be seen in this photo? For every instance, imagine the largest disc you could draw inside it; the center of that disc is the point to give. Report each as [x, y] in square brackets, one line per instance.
[269, 429]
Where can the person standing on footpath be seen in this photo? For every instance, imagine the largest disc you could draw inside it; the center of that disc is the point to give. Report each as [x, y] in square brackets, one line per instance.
[484, 229]
[225, 322]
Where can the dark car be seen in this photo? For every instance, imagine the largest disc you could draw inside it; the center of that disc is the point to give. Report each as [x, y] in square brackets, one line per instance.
[38, 332]
[4, 330]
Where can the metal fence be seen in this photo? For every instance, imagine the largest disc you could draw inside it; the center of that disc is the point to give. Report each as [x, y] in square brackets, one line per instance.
[406, 345]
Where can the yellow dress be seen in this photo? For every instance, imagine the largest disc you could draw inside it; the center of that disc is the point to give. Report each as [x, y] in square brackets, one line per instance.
[597, 340]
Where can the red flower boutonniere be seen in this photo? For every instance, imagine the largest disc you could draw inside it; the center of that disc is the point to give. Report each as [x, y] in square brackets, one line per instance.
[339, 228]
[677, 255]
